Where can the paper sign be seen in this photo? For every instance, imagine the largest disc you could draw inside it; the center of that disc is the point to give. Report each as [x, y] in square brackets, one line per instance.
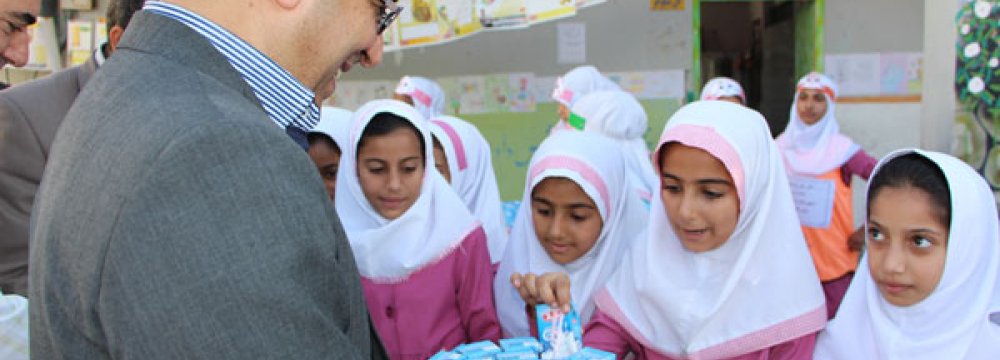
[666, 5]
[813, 200]
[572, 43]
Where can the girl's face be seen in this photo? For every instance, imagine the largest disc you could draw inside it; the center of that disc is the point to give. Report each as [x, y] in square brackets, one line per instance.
[733, 99]
[566, 220]
[326, 156]
[811, 105]
[441, 161]
[391, 171]
[907, 244]
[563, 112]
[699, 196]
[404, 98]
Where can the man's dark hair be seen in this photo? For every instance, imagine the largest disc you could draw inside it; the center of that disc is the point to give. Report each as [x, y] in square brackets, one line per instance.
[121, 11]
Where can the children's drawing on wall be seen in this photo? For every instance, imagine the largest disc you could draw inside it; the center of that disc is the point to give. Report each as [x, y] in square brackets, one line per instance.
[502, 13]
[977, 88]
[522, 92]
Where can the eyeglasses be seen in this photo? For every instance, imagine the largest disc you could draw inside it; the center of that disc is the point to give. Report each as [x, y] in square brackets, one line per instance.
[390, 10]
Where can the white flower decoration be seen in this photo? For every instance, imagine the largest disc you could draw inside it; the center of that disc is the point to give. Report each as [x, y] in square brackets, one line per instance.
[972, 50]
[983, 9]
[965, 29]
[994, 62]
[976, 85]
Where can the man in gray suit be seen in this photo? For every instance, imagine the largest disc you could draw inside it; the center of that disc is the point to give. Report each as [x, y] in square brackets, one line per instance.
[30, 113]
[176, 219]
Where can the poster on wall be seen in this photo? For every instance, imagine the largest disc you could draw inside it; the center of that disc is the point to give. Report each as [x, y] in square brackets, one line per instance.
[521, 92]
[977, 89]
[855, 74]
[79, 41]
[544, 10]
[901, 73]
[458, 18]
[580, 4]
[544, 87]
[418, 23]
[498, 14]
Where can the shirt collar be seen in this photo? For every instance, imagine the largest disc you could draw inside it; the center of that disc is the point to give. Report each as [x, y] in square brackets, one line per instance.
[285, 100]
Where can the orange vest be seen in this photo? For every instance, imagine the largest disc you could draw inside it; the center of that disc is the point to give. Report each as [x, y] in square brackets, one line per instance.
[828, 245]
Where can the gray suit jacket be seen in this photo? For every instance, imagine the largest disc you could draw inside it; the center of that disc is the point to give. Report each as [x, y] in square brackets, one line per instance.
[30, 113]
[177, 221]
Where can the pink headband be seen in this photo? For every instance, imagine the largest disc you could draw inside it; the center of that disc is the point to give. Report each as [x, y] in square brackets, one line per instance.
[456, 142]
[705, 138]
[575, 165]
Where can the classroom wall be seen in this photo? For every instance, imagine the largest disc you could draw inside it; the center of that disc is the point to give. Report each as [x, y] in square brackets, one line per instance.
[622, 36]
[872, 26]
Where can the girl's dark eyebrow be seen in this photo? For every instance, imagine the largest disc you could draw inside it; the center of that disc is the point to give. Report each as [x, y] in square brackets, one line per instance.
[710, 181]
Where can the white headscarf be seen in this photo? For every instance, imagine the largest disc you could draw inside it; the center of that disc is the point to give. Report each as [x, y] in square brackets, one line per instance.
[720, 87]
[818, 148]
[757, 290]
[428, 98]
[578, 82]
[335, 123]
[436, 223]
[953, 321]
[472, 177]
[618, 115]
[594, 163]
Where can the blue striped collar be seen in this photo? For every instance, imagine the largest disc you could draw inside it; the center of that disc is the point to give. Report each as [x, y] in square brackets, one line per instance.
[285, 100]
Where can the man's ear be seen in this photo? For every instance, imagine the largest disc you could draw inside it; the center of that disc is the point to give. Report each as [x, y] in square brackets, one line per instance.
[114, 36]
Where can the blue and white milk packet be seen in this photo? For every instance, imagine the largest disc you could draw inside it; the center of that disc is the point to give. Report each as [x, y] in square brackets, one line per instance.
[561, 334]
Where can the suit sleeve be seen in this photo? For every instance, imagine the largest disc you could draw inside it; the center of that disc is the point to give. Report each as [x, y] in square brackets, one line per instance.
[21, 163]
[230, 248]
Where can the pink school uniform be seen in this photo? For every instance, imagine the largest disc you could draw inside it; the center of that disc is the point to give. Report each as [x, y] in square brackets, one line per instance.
[819, 157]
[427, 274]
[756, 296]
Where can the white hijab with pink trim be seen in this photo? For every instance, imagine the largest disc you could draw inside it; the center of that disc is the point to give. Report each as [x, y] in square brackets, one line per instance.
[428, 98]
[577, 83]
[472, 177]
[619, 116]
[953, 322]
[757, 290]
[721, 87]
[386, 250]
[593, 162]
[818, 148]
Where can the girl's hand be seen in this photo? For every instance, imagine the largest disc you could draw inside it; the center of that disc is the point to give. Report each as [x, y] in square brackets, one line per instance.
[550, 288]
